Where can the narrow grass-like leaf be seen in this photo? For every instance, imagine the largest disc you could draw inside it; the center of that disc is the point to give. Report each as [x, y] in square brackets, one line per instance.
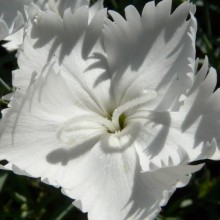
[3, 179]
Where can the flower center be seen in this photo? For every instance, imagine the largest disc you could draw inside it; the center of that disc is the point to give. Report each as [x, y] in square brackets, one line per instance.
[119, 117]
[79, 129]
[120, 125]
[122, 121]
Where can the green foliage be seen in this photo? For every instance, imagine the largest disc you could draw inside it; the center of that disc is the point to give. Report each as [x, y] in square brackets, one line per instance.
[22, 198]
[199, 200]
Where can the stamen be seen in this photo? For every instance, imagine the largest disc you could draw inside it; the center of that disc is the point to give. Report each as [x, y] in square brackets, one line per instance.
[72, 123]
[148, 96]
[98, 123]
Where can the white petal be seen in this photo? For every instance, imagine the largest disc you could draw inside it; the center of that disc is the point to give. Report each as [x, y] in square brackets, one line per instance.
[109, 185]
[28, 130]
[14, 40]
[151, 52]
[3, 30]
[95, 8]
[51, 38]
[201, 109]
[71, 42]
[59, 6]
[170, 138]
[23, 143]
[162, 143]
[42, 4]
[12, 16]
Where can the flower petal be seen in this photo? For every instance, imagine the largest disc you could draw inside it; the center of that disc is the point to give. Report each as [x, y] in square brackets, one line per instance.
[12, 16]
[97, 6]
[151, 52]
[51, 38]
[24, 10]
[28, 130]
[201, 109]
[60, 6]
[111, 186]
[171, 138]
[71, 43]
[15, 40]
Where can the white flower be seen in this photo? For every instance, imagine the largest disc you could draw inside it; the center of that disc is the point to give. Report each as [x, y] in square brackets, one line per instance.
[112, 111]
[15, 14]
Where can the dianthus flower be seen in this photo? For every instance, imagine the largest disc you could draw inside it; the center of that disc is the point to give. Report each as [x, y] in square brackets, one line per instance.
[113, 111]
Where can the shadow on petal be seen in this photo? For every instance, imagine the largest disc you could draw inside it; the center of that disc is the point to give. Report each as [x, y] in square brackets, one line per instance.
[64, 155]
[116, 143]
[100, 62]
[63, 34]
[158, 143]
[143, 202]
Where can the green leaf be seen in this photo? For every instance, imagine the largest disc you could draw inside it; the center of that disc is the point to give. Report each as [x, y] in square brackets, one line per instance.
[3, 179]
[62, 213]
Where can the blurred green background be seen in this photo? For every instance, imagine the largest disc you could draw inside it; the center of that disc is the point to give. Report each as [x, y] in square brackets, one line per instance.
[25, 198]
